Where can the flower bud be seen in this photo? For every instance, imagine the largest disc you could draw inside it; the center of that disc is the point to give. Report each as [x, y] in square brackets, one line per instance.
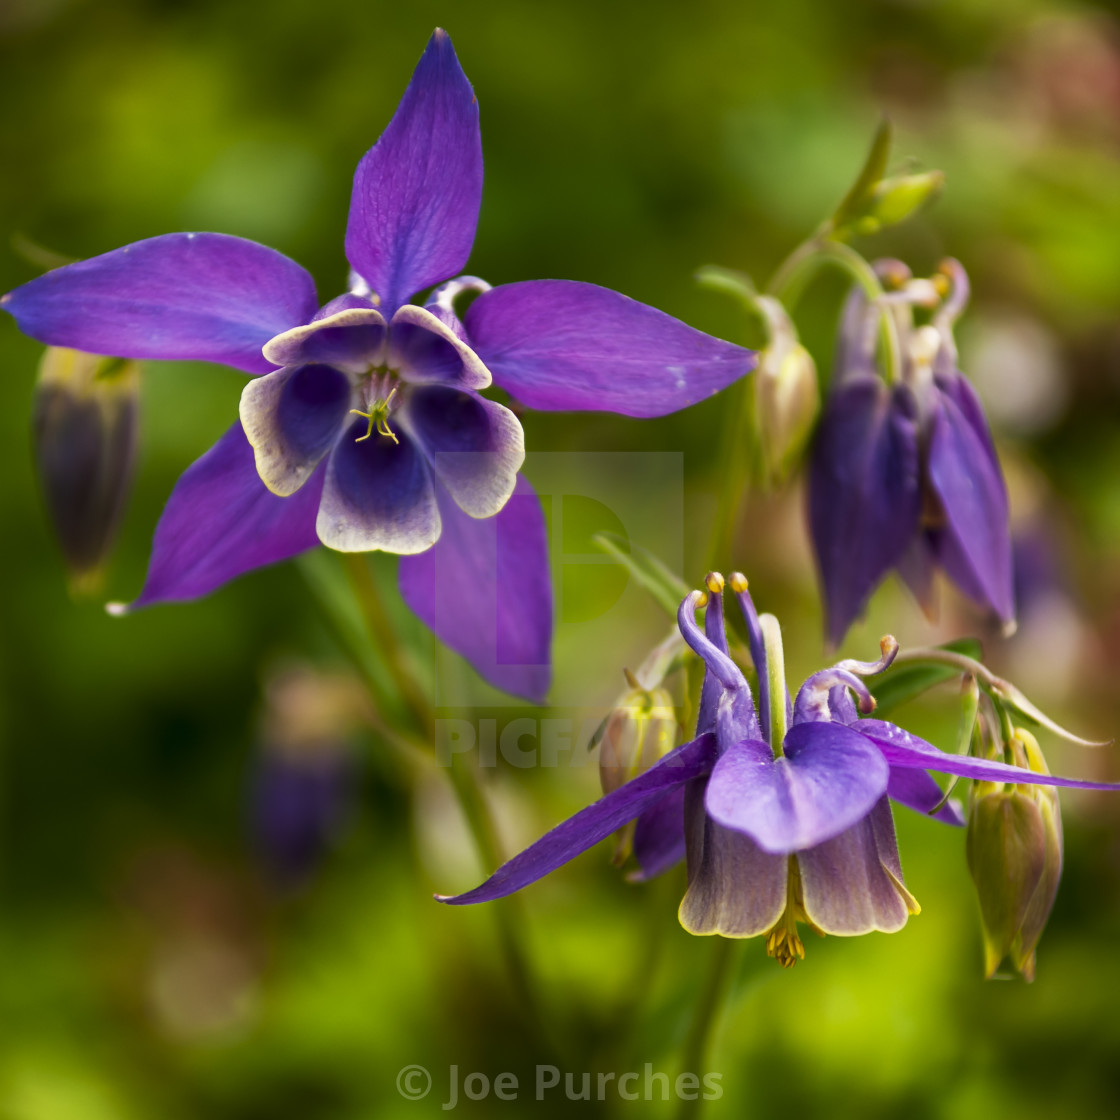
[640, 731]
[890, 202]
[84, 434]
[787, 397]
[305, 777]
[1014, 848]
[895, 200]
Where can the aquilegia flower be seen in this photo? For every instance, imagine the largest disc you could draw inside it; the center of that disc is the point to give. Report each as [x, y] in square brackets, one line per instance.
[786, 812]
[905, 476]
[365, 428]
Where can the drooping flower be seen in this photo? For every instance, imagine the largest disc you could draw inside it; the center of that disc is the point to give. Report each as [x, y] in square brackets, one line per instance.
[365, 428]
[786, 806]
[905, 476]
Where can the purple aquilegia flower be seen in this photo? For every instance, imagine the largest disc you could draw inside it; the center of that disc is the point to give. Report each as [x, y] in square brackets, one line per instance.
[786, 812]
[364, 428]
[905, 476]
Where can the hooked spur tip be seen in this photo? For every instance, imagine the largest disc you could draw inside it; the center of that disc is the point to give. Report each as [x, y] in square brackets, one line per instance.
[737, 582]
[714, 582]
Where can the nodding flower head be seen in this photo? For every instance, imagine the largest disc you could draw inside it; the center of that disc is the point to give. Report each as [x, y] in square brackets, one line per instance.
[905, 476]
[784, 807]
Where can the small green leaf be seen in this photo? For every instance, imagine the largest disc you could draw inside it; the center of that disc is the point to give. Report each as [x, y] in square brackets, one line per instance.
[664, 585]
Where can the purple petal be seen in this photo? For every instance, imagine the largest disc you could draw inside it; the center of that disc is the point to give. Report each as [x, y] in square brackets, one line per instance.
[826, 781]
[856, 339]
[974, 545]
[475, 446]
[917, 790]
[221, 521]
[846, 886]
[659, 837]
[901, 749]
[292, 418]
[185, 296]
[712, 689]
[864, 493]
[959, 389]
[561, 345]
[725, 698]
[734, 887]
[917, 567]
[427, 350]
[841, 706]
[596, 822]
[417, 190]
[486, 592]
[378, 494]
[351, 339]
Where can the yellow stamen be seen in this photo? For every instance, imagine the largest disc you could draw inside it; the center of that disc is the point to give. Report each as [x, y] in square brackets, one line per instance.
[783, 942]
[378, 417]
[714, 582]
[738, 582]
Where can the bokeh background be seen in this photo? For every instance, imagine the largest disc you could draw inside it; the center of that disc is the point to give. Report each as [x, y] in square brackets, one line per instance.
[163, 954]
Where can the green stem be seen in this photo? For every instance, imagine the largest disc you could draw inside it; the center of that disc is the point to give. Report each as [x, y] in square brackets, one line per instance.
[507, 912]
[464, 781]
[950, 657]
[735, 458]
[795, 272]
[698, 1043]
[385, 641]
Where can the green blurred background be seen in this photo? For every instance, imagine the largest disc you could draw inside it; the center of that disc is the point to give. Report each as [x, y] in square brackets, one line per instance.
[151, 967]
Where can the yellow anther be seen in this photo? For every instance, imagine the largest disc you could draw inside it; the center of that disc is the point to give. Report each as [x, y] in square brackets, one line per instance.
[701, 599]
[941, 284]
[631, 680]
[737, 582]
[783, 942]
[714, 582]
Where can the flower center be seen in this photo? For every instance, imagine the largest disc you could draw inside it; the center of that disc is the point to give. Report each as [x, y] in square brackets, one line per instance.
[783, 942]
[380, 391]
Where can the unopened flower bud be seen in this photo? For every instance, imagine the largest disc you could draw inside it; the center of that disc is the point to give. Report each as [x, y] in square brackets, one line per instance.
[894, 200]
[84, 432]
[640, 731]
[305, 776]
[787, 397]
[1014, 848]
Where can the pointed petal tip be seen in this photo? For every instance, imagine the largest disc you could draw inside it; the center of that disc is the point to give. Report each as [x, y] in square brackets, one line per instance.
[117, 609]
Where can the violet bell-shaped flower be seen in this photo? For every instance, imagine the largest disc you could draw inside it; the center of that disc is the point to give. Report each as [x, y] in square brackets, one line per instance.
[905, 476]
[786, 812]
[365, 428]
